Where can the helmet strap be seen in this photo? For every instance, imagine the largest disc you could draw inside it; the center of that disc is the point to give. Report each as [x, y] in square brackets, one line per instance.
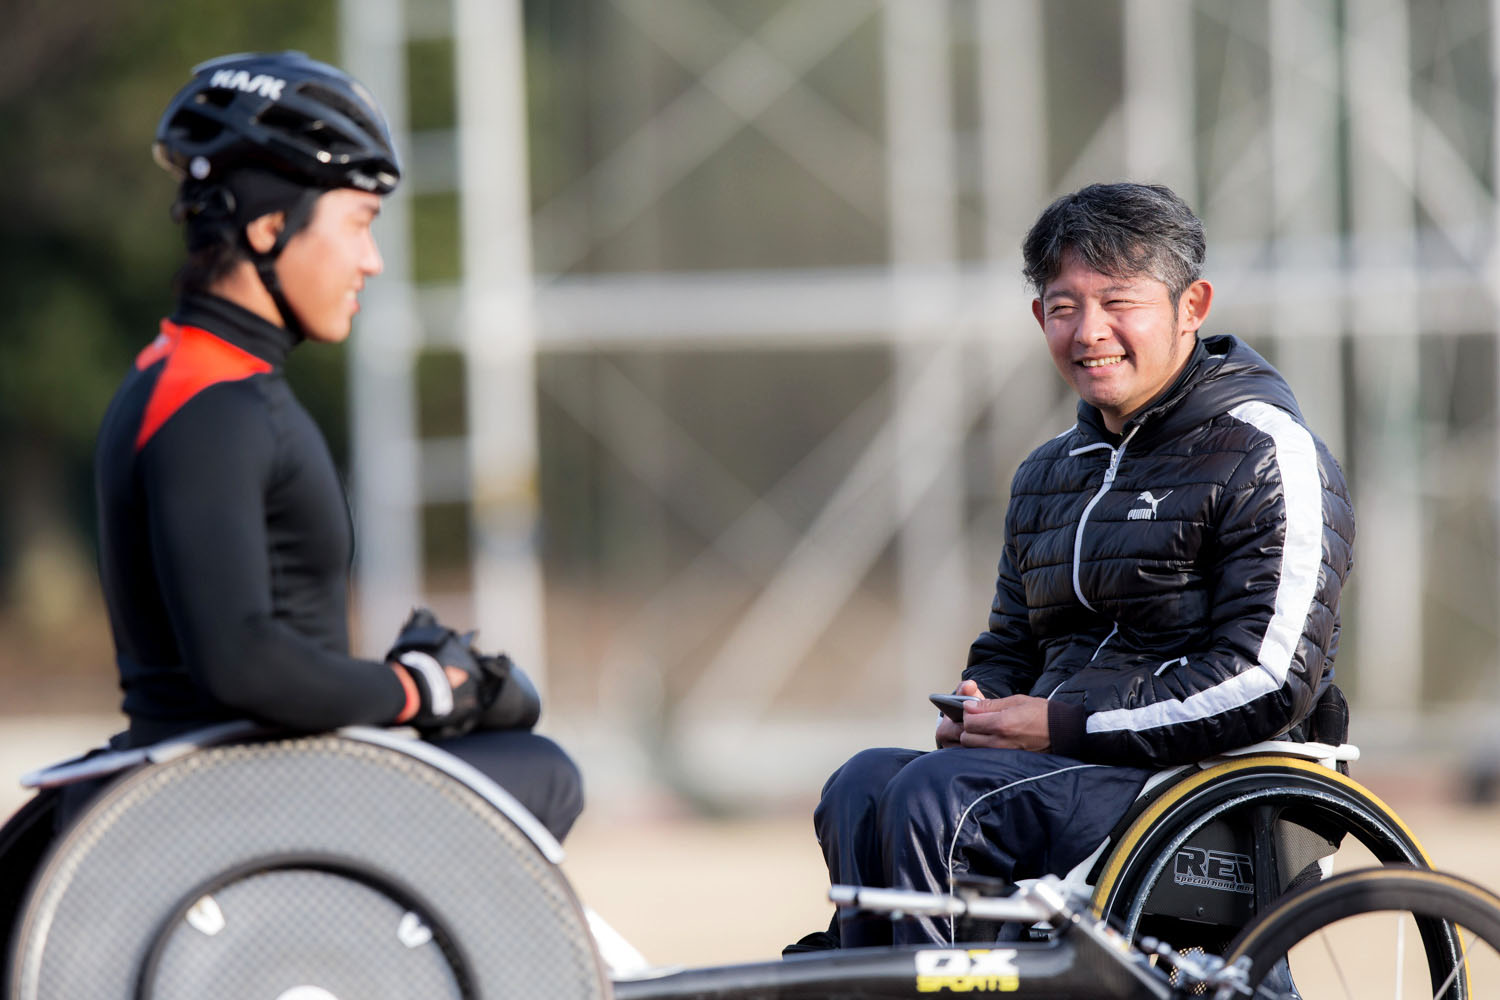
[295, 219]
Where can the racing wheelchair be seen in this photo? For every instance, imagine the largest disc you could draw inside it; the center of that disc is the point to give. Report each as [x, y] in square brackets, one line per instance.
[240, 863]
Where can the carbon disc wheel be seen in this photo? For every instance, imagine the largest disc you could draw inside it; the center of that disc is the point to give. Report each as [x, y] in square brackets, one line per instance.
[269, 932]
[318, 868]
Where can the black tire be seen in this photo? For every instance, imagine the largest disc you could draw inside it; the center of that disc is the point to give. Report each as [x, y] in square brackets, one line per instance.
[1440, 904]
[350, 866]
[1274, 790]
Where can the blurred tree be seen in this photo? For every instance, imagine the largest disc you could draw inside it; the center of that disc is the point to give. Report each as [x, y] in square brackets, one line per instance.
[87, 250]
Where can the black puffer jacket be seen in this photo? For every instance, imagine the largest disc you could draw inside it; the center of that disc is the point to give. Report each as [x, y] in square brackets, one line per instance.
[1174, 591]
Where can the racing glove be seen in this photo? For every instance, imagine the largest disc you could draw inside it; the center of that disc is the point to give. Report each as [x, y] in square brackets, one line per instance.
[511, 701]
[445, 691]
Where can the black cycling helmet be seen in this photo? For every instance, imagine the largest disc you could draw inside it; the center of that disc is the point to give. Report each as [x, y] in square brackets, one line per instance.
[262, 132]
[281, 111]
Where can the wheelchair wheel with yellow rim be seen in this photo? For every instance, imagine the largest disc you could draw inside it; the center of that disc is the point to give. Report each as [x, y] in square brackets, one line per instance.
[1376, 932]
[1205, 855]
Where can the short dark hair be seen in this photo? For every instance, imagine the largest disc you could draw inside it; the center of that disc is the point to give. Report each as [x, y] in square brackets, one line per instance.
[213, 252]
[214, 214]
[1121, 230]
[212, 237]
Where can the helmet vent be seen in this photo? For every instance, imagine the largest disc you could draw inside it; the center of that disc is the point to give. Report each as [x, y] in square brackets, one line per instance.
[340, 103]
[217, 96]
[320, 134]
[196, 127]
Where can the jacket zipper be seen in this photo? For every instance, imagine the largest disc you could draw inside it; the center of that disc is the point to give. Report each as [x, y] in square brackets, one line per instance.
[1100, 648]
[1097, 650]
[1115, 454]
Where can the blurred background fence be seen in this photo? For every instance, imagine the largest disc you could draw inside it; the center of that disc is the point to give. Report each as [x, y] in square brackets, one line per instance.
[702, 357]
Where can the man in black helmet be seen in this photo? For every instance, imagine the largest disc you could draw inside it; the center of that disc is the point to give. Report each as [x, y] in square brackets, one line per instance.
[225, 537]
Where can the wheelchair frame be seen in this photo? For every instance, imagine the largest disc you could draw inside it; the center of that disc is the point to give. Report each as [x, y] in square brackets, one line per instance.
[1086, 957]
[1089, 960]
[1083, 957]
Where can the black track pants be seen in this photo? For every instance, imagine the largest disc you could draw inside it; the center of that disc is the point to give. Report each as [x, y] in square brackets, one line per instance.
[907, 819]
[537, 771]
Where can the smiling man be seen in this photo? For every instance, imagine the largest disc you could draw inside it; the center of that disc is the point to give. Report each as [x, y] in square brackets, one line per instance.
[224, 532]
[1168, 589]
[1118, 340]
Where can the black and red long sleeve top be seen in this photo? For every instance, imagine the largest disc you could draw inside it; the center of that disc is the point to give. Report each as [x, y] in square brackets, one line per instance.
[225, 538]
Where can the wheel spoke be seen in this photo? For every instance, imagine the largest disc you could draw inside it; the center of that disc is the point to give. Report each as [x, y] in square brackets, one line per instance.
[1449, 914]
[1400, 952]
[1463, 949]
[1452, 975]
[1337, 966]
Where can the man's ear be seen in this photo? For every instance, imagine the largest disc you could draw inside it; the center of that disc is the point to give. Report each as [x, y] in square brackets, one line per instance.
[1192, 310]
[263, 231]
[1039, 311]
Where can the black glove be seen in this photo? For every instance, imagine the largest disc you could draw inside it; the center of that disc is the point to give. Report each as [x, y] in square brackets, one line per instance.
[511, 701]
[448, 677]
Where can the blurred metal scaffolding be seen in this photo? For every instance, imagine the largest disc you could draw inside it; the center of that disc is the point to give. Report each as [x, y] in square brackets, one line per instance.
[1350, 228]
[493, 468]
[388, 488]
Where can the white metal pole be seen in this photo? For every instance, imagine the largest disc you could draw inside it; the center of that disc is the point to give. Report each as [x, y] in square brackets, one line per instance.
[1387, 363]
[1013, 144]
[929, 362]
[1304, 219]
[1494, 262]
[499, 328]
[1159, 94]
[1013, 136]
[386, 465]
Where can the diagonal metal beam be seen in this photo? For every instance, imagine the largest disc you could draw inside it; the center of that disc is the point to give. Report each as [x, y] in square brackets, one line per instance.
[1448, 187]
[639, 433]
[814, 133]
[1442, 178]
[680, 137]
[829, 561]
[1100, 156]
[1230, 169]
[687, 612]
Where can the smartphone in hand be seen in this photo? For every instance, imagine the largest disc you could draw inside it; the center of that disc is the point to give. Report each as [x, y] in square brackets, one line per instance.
[952, 705]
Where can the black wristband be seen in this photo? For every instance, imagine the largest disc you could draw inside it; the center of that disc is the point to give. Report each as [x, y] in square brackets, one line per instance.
[1066, 727]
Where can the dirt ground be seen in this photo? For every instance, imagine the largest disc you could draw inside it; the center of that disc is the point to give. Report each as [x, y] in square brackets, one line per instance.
[690, 890]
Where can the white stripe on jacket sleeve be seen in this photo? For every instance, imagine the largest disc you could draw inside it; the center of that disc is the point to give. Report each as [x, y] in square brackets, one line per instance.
[1296, 457]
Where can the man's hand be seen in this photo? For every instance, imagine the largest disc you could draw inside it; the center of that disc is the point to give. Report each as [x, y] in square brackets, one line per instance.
[950, 733]
[1017, 722]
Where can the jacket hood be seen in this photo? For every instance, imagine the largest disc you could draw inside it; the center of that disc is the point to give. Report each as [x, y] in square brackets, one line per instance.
[1222, 373]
